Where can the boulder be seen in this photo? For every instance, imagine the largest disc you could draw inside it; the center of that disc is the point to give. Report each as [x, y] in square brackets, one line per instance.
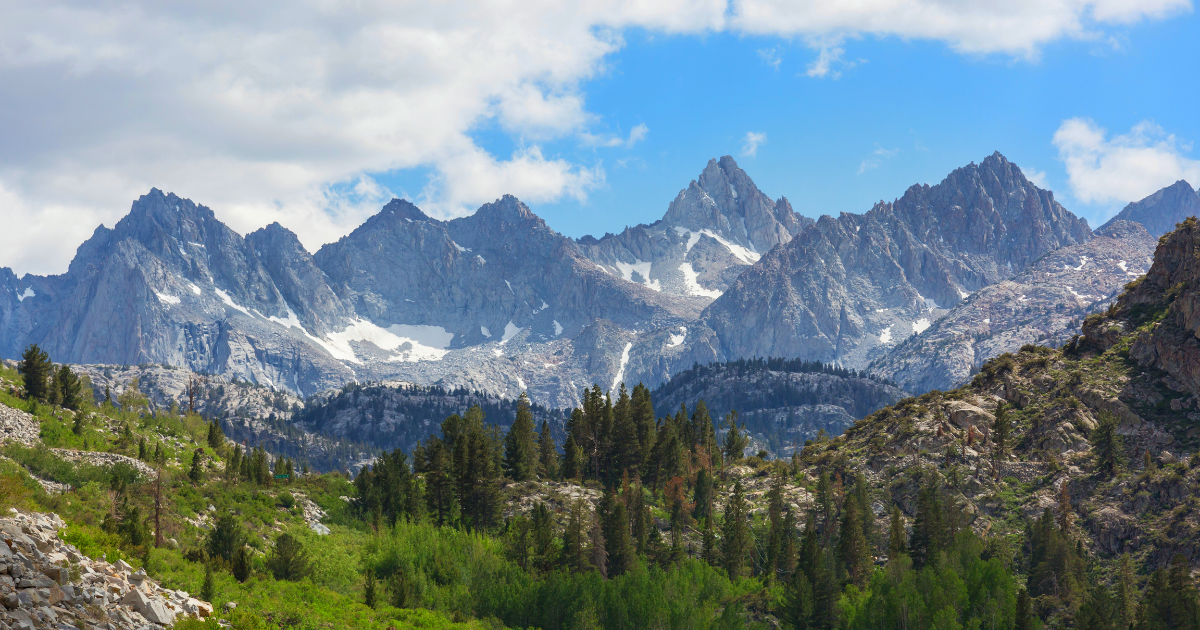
[967, 415]
[150, 608]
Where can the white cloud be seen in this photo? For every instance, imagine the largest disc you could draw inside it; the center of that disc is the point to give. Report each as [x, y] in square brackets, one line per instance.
[829, 62]
[751, 141]
[281, 110]
[1126, 167]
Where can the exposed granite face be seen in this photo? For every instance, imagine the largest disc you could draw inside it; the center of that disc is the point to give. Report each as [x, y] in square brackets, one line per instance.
[841, 290]
[714, 229]
[1044, 304]
[1164, 310]
[1161, 211]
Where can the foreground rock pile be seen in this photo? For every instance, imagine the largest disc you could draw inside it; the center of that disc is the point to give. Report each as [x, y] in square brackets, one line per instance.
[46, 583]
[18, 426]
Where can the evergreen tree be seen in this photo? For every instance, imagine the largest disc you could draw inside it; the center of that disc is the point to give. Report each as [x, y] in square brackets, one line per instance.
[574, 553]
[288, 560]
[615, 523]
[441, 494]
[225, 538]
[641, 411]
[597, 548]
[626, 448]
[853, 554]
[142, 449]
[571, 459]
[69, 387]
[735, 438]
[35, 370]
[77, 427]
[241, 564]
[927, 536]
[520, 447]
[735, 535]
[543, 538]
[196, 472]
[800, 605]
[216, 437]
[702, 495]
[547, 453]
[1106, 444]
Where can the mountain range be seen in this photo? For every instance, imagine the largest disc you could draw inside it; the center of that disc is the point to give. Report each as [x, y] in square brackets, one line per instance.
[922, 289]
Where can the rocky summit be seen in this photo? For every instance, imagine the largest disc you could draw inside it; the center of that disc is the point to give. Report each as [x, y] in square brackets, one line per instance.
[1161, 211]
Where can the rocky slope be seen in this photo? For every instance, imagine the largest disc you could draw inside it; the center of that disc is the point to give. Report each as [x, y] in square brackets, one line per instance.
[1044, 304]
[714, 229]
[782, 403]
[47, 583]
[1135, 363]
[1160, 211]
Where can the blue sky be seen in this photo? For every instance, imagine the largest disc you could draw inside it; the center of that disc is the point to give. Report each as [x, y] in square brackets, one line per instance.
[596, 114]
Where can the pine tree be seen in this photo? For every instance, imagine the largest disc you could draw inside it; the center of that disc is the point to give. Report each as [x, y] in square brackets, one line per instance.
[520, 451]
[571, 459]
[216, 437]
[196, 472]
[641, 411]
[800, 605]
[77, 427]
[35, 369]
[735, 535]
[926, 539]
[615, 522]
[735, 439]
[547, 453]
[1098, 612]
[597, 548]
[69, 387]
[543, 538]
[288, 560]
[574, 553]
[225, 538]
[626, 448]
[1106, 444]
[708, 544]
[853, 554]
[702, 495]
[142, 449]
[241, 564]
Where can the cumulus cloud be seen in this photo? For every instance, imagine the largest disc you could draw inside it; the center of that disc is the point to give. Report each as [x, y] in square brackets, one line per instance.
[281, 111]
[1125, 167]
[751, 141]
